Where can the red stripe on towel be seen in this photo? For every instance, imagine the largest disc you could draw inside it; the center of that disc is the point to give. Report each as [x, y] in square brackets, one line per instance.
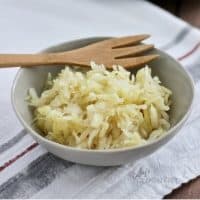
[11, 161]
[189, 53]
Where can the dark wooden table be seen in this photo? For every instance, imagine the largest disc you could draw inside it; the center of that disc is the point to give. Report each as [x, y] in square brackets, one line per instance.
[188, 10]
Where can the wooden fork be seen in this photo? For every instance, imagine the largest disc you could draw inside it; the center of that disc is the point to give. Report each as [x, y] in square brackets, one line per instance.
[125, 51]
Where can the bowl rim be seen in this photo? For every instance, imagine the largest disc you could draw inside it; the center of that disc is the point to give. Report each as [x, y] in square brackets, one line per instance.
[65, 147]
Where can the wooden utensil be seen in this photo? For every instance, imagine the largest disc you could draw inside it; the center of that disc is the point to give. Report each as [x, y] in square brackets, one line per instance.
[125, 51]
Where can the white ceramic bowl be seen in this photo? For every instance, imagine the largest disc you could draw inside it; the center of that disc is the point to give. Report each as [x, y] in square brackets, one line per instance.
[172, 75]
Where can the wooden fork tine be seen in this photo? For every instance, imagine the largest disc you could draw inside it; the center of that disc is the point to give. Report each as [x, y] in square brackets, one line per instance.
[130, 51]
[129, 40]
[135, 61]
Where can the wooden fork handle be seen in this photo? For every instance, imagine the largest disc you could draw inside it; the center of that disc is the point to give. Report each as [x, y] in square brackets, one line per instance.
[28, 60]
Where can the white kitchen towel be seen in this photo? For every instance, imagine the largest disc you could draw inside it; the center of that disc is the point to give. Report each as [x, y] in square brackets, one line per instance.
[26, 169]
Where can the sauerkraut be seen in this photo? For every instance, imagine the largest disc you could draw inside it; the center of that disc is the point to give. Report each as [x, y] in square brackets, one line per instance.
[101, 109]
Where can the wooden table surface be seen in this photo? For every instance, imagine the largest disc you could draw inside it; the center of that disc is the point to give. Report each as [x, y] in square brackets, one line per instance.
[188, 10]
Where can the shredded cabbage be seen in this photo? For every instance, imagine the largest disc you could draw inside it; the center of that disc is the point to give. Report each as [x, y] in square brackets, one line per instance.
[101, 109]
